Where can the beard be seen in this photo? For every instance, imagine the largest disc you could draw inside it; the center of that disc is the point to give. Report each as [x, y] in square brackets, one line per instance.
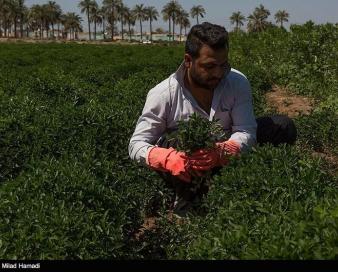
[208, 83]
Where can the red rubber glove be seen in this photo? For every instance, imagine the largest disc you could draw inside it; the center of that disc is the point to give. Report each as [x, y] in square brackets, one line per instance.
[206, 159]
[169, 160]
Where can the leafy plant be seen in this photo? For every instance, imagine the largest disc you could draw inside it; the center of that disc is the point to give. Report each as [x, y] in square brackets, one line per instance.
[196, 133]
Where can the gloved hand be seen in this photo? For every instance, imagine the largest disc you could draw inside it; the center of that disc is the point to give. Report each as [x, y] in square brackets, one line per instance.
[169, 160]
[206, 159]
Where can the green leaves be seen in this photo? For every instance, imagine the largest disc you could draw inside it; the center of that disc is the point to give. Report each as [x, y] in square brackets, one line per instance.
[197, 133]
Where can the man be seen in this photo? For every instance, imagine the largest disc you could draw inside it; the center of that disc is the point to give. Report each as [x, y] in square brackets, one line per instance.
[204, 84]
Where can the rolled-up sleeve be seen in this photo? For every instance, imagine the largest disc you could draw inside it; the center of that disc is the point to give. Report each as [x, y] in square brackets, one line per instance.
[244, 122]
[151, 124]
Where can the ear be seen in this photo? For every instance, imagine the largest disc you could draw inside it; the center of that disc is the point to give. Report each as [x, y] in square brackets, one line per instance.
[187, 61]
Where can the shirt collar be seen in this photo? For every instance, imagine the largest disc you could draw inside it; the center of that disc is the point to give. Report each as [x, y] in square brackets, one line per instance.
[179, 74]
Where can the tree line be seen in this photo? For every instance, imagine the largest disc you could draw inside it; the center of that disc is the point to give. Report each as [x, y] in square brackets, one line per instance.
[17, 20]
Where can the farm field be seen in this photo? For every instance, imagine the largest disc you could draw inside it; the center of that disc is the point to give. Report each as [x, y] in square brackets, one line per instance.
[68, 189]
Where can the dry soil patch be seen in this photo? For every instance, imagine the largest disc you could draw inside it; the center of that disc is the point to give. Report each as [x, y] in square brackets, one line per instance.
[289, 104]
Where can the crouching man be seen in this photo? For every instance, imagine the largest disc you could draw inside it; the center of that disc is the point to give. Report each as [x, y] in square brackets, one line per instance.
[205, 84]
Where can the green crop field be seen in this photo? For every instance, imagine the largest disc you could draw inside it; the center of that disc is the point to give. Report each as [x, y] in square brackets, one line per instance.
[68, 189]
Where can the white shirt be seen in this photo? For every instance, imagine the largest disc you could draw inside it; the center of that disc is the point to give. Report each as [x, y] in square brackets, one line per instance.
[170, 101]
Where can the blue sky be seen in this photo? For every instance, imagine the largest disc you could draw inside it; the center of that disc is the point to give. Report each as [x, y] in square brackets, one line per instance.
[219, 11]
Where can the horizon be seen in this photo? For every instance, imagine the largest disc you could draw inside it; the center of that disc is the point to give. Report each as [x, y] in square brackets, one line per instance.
[320, 12]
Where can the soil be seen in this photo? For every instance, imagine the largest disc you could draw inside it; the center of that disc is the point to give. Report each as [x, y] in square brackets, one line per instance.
[289, 104]
[150, 224]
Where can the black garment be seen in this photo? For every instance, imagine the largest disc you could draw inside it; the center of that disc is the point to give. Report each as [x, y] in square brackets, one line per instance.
[275, 129]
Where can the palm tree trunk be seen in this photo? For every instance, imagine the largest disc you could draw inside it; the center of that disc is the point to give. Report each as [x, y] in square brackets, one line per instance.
[58, 30]
[53, 30]
[173, 28]
[21, 25]
[129, 31]
[197, 19]
[15, 26]
[141, 29]
[112, 29]
[151, 30]
[90, 38]
[104, 27]
[95, 30]
[112, 23]
[122, 29]
[169, 28]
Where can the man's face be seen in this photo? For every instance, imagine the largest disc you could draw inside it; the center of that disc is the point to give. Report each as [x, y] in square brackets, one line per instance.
[208, 69]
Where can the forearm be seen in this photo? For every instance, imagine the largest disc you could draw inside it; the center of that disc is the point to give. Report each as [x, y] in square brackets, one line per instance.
[138, 150]
[245, 139]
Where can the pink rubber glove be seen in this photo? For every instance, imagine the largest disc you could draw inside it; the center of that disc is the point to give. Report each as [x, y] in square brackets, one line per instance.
[169, 160]
[206, 159]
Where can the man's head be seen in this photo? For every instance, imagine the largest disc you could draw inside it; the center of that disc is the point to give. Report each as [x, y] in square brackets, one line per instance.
[206, 54]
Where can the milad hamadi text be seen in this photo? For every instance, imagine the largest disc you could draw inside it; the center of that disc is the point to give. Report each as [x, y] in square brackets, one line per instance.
[19, 265]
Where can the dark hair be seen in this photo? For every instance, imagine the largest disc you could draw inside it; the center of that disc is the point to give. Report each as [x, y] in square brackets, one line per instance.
[209, 34]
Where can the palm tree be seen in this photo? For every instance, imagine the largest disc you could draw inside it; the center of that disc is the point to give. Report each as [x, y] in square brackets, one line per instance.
[152, 15]
[14, 14]
[25, 22]
[281, 16]
[140, 14]
[122, 9]
[22, 12]
[4, 17]
[58, 16]
[94, 16]
[46, 18]
[32, 24]
[183, 21]
[197, 11]
[238, 19]
[111, 8]
[258, 19]
[53, 11]
[72, 24]
[2, 4]
[129, 17]
[170, 12]
[166, 17]
[86, 6]
[38, 16]
[103, 14]
[185, 25]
